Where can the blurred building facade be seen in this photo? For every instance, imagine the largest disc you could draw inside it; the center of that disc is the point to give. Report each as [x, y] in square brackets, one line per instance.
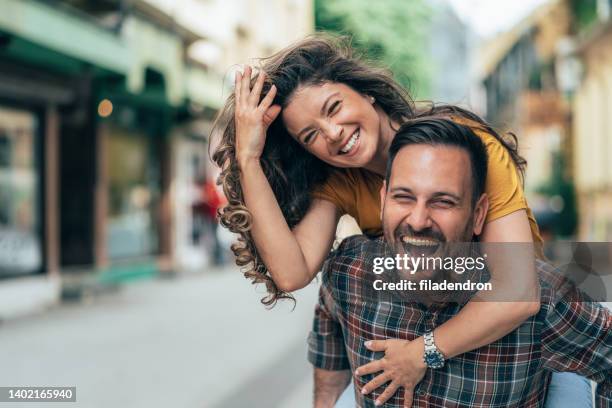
[593, 126]
[105, 112]
[519, 71]
[550, 80]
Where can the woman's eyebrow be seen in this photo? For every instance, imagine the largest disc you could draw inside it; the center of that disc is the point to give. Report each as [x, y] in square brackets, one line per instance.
[327, 101]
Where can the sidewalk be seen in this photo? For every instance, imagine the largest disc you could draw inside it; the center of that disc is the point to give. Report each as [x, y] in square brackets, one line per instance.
[196, 341]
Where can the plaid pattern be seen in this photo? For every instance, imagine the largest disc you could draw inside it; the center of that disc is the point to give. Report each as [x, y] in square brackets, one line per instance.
[568, 334]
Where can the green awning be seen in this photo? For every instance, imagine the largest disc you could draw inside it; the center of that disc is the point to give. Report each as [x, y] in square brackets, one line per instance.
[65, 33]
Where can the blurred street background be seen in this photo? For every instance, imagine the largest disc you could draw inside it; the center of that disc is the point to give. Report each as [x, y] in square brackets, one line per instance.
[114, 275]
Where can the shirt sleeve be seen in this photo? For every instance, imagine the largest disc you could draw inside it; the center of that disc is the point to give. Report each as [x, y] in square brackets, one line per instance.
[503, 185]
[577, 337]
[326, 349]
[338, 190]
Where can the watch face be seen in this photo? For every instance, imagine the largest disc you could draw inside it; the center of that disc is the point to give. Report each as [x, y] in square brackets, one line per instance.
[433, 359]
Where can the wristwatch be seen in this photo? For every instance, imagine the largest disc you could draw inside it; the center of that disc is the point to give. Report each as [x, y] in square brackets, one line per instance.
[432, 357]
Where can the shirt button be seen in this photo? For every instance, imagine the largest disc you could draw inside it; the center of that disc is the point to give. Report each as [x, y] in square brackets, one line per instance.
[420, 393]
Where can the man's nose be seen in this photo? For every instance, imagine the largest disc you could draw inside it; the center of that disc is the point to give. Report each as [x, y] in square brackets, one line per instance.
[419, 218]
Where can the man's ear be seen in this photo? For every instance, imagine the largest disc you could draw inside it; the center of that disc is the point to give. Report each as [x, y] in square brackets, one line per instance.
[383, 193]
[480, 213]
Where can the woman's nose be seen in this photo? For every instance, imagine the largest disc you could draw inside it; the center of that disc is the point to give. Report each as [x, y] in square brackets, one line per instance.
[332, 132]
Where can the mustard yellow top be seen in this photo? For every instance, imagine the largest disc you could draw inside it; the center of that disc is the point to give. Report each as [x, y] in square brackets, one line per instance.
[357, 191]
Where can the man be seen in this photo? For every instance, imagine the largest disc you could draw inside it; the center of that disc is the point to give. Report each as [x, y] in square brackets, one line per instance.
[433, 195]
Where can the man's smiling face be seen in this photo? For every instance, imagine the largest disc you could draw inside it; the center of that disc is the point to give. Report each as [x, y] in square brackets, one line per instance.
[429, 199]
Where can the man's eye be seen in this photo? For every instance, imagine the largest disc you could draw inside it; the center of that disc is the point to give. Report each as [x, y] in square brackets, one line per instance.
[334, 107]
[444, 203]
[403, 197]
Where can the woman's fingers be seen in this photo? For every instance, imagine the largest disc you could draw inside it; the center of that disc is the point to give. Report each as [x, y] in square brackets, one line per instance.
[271, 114]
[245, 85]
[376, 345]
[375, 383]
[237, 87]
[408, 396]
[268, 99]
[256, 91]
[370, 368]
[387, 393]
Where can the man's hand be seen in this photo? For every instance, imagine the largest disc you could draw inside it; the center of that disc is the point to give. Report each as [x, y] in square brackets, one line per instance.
[328, 386]
[402, 366]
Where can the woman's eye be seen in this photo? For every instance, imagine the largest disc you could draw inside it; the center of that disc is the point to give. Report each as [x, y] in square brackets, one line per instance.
[334, 107]
[309, 137]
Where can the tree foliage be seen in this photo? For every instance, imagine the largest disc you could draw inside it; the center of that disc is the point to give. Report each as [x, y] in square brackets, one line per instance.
[393, 33]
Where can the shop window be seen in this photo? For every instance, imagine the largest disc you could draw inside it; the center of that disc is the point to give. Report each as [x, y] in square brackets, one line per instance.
[20, 242]
[134, 190]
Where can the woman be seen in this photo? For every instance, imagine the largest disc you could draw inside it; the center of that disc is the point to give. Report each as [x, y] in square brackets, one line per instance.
[289, 179]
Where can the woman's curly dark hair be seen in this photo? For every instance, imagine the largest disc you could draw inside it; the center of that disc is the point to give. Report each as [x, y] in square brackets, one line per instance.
[315, 60]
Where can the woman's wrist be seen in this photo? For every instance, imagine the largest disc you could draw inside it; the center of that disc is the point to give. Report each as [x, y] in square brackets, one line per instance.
[245, 162]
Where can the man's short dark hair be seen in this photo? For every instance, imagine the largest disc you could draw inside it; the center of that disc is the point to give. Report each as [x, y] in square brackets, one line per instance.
[445, 132]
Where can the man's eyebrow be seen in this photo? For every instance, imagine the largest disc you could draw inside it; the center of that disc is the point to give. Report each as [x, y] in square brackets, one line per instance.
[447, 194]
[299, 135]
[400, 189]
[437, 194]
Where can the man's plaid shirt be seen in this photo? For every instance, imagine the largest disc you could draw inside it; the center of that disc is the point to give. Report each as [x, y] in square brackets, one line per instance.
[568, 334]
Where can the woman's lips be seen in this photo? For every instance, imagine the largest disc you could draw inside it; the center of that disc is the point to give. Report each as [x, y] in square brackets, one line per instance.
[355, 146]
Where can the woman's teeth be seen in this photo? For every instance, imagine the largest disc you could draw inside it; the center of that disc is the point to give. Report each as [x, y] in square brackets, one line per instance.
[349, 145]
[418, 242]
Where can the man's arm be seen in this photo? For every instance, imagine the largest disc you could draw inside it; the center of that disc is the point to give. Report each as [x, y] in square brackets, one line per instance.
[327, 351]
[328, 386]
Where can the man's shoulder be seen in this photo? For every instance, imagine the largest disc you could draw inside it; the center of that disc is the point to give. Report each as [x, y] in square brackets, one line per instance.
[558, 285]
[352, 258]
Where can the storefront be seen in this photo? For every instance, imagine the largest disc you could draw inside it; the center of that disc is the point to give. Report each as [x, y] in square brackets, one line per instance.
[131, 199]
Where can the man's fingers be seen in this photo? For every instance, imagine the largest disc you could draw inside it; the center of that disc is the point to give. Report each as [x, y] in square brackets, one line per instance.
[375, 383]
[256, 91]
[376, 345]
[370, 368]
[408, 397]
[387, 393]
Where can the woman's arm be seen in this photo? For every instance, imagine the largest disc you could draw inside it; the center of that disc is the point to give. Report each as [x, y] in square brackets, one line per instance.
[293, 258]
[487, 319]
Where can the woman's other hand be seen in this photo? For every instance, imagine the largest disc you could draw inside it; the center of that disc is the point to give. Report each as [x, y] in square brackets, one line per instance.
[252, 116]
[402, 366]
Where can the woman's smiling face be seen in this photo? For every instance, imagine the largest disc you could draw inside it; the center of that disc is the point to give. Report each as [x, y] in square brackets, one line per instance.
[335, 123]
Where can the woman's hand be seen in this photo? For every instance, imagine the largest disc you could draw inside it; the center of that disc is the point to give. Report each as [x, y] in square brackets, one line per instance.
[402, 366]
[252, 116]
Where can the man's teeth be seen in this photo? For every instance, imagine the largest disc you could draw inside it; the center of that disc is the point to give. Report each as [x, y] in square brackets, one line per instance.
[418, 242]
[349, 145]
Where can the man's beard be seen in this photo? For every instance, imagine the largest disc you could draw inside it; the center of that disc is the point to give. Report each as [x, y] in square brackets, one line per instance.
[460, 246]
